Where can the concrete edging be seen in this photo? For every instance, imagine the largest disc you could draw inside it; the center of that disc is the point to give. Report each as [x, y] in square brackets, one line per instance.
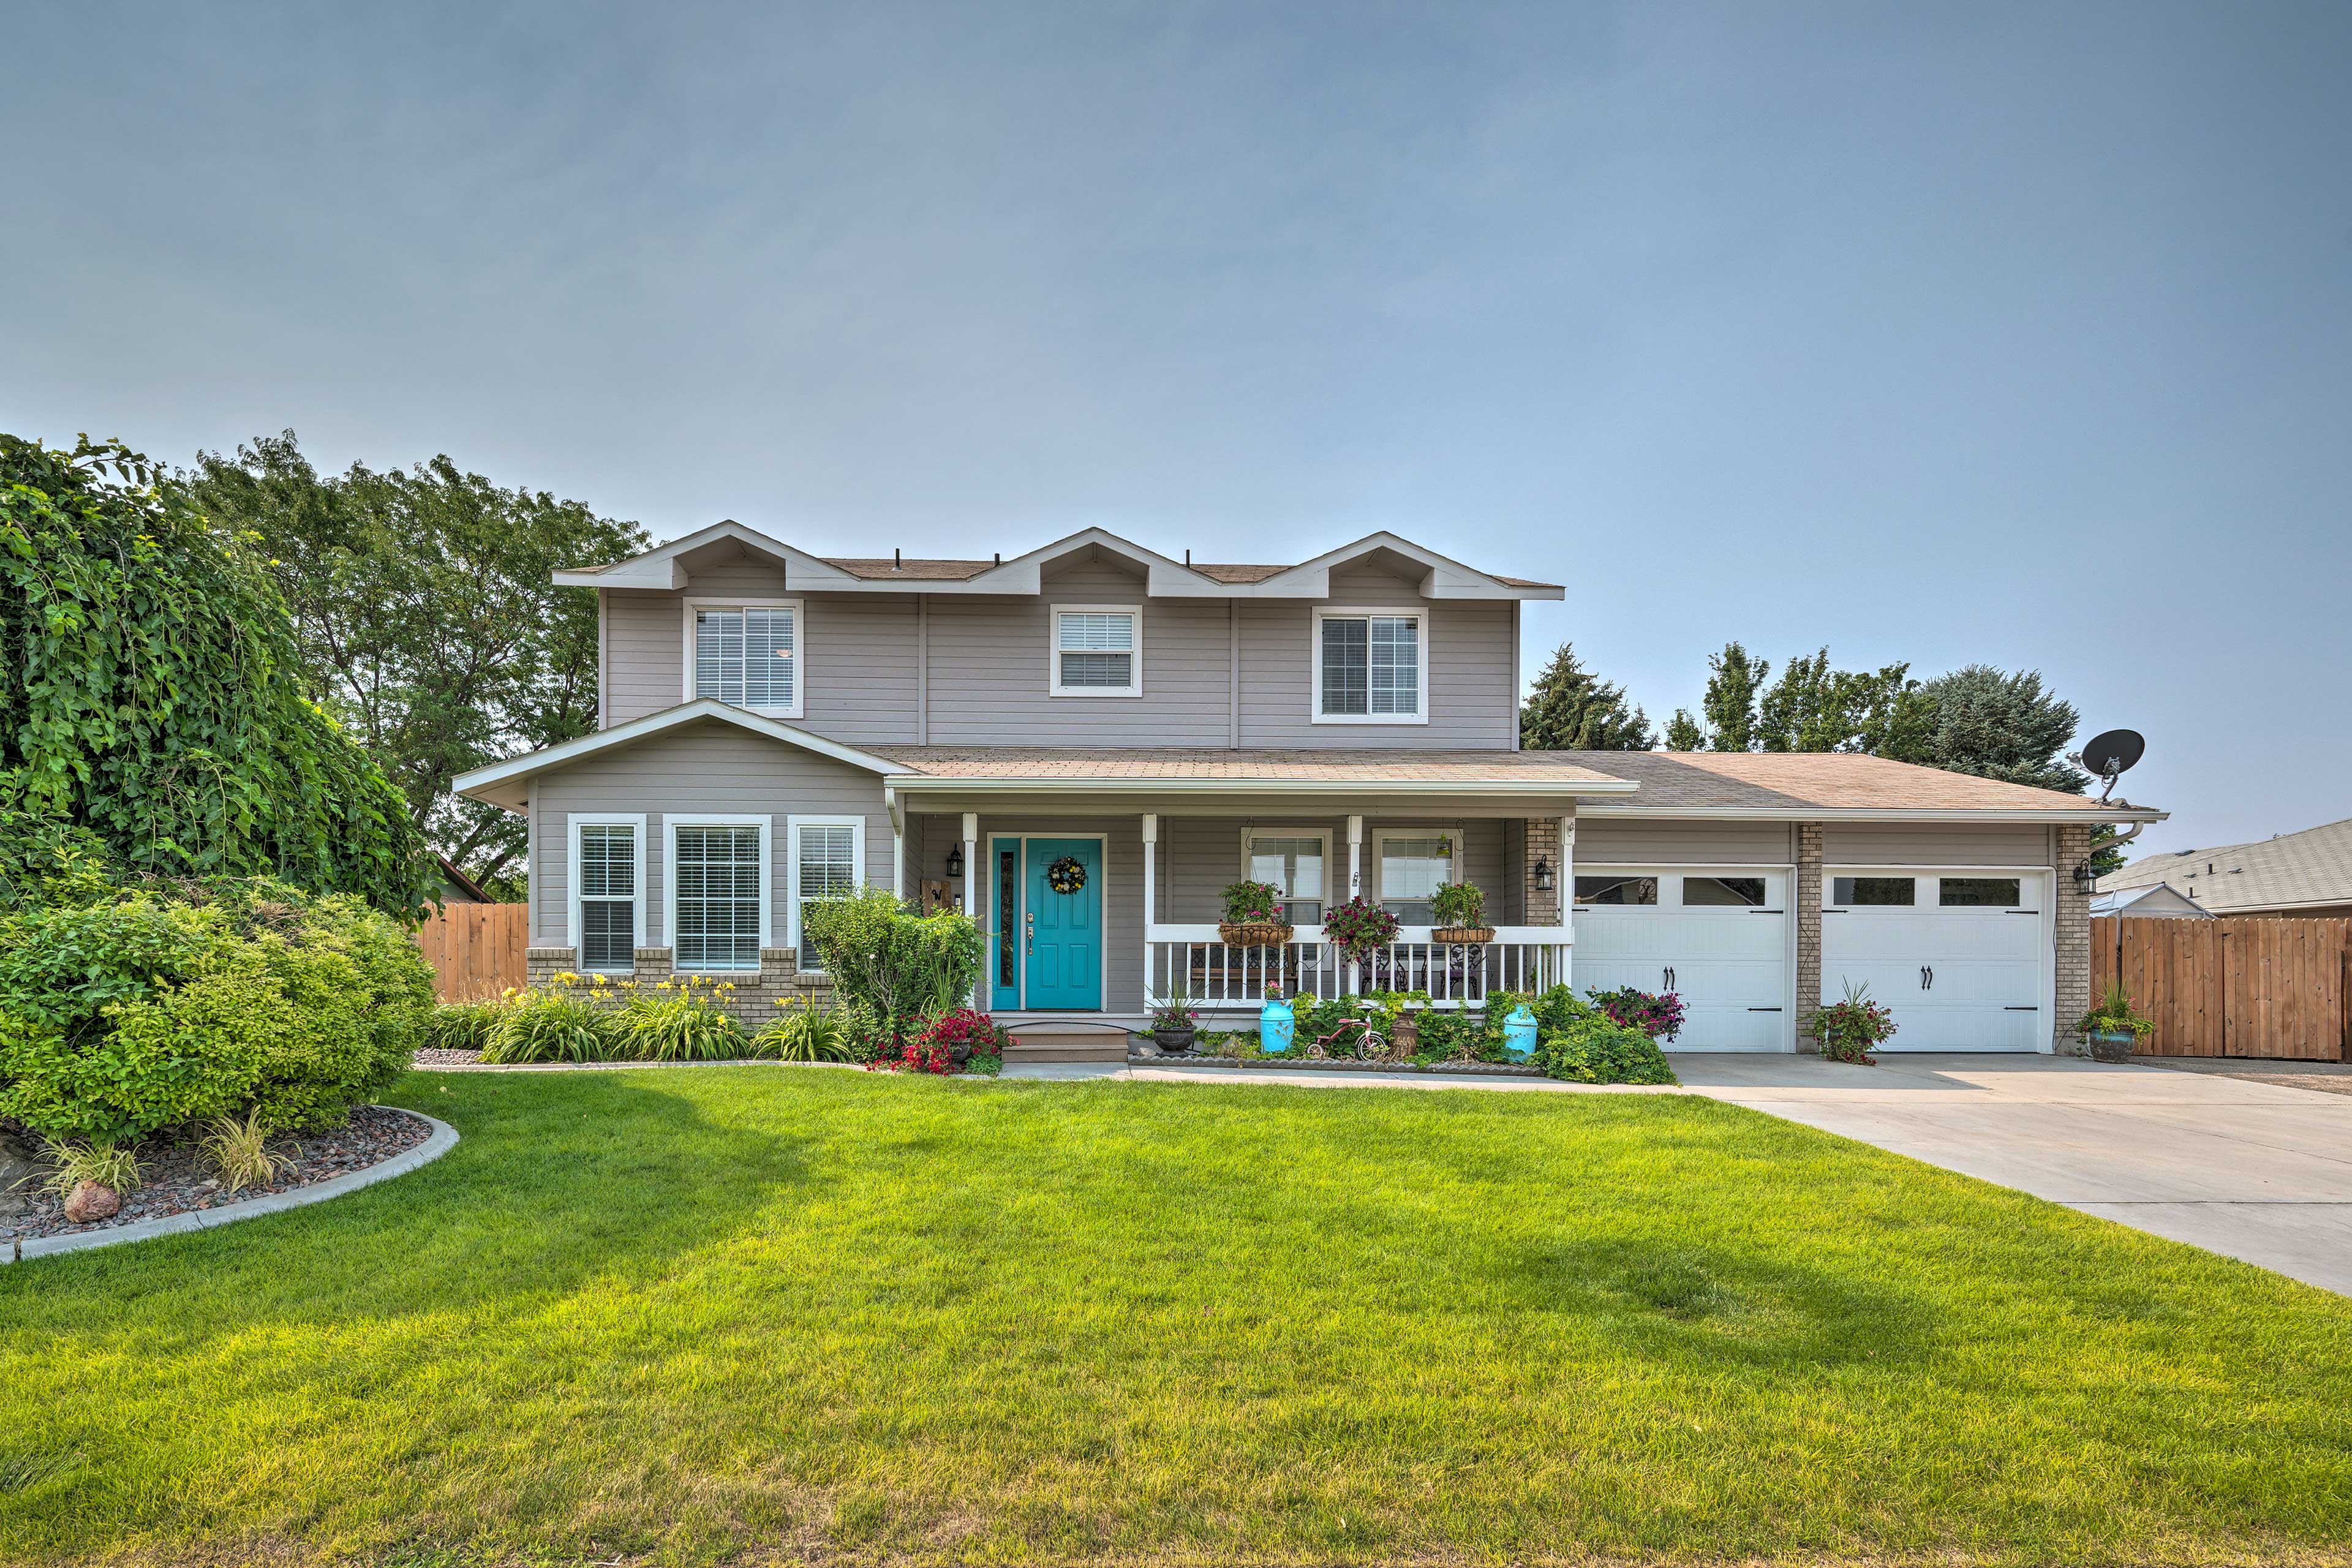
[443, 1139]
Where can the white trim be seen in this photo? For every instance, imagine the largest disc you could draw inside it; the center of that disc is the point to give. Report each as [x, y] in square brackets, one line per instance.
[793, 869]
[2042, 817]
[487, 783]
[1275, 830]
[908, 785]
[1451, 832]
[674, 820]
[1317, 615]
[800, 651]
[1054, 686]
[573, 823]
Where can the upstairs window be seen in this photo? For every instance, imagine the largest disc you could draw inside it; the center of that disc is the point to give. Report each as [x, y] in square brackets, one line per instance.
[748, 655]
[1369, 668]
[1098, 651]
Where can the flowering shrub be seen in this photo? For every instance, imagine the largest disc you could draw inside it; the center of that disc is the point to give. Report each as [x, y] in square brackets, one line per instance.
[935, 1048]
[1253, 903]
[1660, 1017]
[684, 1020]
[1849, 1030]
[1360, 926]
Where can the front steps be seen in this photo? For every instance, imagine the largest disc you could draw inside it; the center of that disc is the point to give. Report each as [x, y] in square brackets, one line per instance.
[1066, 1042]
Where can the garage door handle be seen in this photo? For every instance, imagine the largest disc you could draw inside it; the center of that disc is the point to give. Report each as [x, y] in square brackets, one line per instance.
[2020, 1009]
[1763, 1009]
[1765, 912]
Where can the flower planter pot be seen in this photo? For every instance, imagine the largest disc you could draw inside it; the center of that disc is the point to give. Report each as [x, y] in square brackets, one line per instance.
[1253, 933]
[1172, 1042]
[2112, 1045]
[1463, 936]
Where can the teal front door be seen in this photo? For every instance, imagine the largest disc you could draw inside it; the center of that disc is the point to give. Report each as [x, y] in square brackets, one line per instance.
[1063, 932]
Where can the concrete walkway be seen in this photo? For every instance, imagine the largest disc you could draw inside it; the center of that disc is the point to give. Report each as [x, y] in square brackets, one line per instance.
[2252, 1171]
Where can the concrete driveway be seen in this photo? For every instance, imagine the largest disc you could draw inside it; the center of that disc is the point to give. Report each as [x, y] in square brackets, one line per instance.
[2249, 1169]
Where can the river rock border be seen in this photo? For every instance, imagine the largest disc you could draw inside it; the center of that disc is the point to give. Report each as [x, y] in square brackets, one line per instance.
[443, 1139]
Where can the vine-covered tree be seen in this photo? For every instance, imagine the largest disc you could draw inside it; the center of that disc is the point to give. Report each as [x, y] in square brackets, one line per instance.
[426, 619]
[1572, 710]
[1729, 703]
[152, 692]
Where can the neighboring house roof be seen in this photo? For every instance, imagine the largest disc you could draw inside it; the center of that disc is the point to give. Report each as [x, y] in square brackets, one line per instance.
[2294, 871]
[461, 882]
[2157, 899]
[1774, 785]
[1439, 577]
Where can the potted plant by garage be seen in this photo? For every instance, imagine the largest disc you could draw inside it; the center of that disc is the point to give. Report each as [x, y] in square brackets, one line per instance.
[1172, 1024]
[1848, 1031]
[1254, 916]
[2111, 1030]
[1458, 913]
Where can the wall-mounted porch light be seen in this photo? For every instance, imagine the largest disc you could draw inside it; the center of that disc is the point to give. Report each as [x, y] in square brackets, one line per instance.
[955, 861]
[1543, 874]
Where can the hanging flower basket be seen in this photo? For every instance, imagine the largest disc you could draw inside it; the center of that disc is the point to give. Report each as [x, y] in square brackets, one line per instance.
[1253, 933]
[1360, 927]
[1067, 875]
[1463, 936]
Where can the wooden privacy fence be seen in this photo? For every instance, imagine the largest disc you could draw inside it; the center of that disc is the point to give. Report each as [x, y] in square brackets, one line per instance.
[2232, 987]
[475, 950]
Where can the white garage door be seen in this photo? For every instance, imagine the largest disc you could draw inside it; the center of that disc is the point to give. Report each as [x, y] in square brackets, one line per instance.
[1718, 938]
[1959, 956]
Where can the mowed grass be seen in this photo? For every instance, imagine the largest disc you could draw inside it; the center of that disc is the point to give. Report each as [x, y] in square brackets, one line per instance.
[753, 1314]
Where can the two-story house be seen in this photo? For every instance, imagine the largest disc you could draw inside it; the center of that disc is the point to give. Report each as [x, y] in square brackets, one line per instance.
[1084, 744]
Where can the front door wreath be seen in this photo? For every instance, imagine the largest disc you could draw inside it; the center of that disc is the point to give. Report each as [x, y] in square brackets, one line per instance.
[1067, 875]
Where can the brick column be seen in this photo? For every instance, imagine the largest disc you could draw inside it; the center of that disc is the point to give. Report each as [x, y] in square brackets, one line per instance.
[2072, 932]
[1809, 931]
[1543, 844]
[542, 964]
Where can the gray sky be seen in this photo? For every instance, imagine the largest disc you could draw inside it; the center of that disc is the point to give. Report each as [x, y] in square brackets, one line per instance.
[1931, 332]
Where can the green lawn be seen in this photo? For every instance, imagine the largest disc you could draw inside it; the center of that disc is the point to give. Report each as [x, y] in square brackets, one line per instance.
[794, 1312]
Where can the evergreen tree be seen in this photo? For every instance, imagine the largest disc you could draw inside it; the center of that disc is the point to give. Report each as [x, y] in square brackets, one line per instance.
[1730, 700]
[1683, 733]
[2000, 725]
[1572, 710]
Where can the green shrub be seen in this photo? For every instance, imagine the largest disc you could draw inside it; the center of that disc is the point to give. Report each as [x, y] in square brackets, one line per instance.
[802, 1034]
[1580, 1043]
[460, 1025]
[120, 1019]
[675, 1021]
[900, 967]
[551, 1024]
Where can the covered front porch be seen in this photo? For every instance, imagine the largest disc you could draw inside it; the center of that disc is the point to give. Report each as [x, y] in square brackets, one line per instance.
[1099, 915]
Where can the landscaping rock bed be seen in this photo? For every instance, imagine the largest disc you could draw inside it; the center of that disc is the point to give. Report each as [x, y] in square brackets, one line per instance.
[1335, 1064]
[443, 1057]
[174, 1183]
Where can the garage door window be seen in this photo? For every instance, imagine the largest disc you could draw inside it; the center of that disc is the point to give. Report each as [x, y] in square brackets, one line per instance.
[1617, 890]
[1715, 892]
[1874, 890]
[1977, 892]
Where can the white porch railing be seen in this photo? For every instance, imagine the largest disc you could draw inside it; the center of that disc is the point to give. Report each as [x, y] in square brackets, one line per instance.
[1191, 960]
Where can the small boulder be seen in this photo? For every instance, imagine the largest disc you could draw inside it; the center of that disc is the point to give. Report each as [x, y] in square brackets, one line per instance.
[88, 1202]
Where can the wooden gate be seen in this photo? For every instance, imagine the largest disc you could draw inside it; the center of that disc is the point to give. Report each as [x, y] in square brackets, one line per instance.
[2243, 986]
[475, 950]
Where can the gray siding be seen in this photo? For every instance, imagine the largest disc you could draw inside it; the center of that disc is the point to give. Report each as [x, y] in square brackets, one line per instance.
[1639, 842]
[1199, 854]
[702, 768]
[1934, 844]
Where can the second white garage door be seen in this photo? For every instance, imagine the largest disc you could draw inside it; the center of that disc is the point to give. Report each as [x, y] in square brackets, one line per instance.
[1718, 937]
[1961, 956]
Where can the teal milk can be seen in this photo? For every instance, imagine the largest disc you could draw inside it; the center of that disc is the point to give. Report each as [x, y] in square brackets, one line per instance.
[1519, 1033]
[1274, 1024]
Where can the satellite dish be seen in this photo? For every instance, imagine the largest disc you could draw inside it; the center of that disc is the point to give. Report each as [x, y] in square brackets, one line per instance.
[2109, 755]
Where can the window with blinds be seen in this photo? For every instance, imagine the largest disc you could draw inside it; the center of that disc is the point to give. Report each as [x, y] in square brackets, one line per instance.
[1096, 653]
[608, 897]
[1370, 667]
[748, 657]
[824, 865]
[720, 921]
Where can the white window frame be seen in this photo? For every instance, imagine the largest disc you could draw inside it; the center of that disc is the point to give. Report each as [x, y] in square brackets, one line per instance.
[1054, 686]
[792, 871]
[1322, 612]
[671, 823]
[574, 822]
[1382, 835]
[1330, 867]
[800, 650]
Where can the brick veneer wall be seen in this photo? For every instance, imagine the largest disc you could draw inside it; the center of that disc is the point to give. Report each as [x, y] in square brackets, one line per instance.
[2072, 932]
[752, 1002]
[1808, 932]
[1543, 844]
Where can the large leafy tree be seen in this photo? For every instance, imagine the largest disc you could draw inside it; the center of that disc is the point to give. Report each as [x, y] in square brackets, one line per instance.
[1735, 678]
[152, 692]
[1573, 710]
[426, 620]
[1815, 708]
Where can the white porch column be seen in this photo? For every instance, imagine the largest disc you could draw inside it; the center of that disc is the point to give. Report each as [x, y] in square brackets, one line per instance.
[1355, 856]
[898, 842]
[1568, 898]
[971, 897]
[1150, 894]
